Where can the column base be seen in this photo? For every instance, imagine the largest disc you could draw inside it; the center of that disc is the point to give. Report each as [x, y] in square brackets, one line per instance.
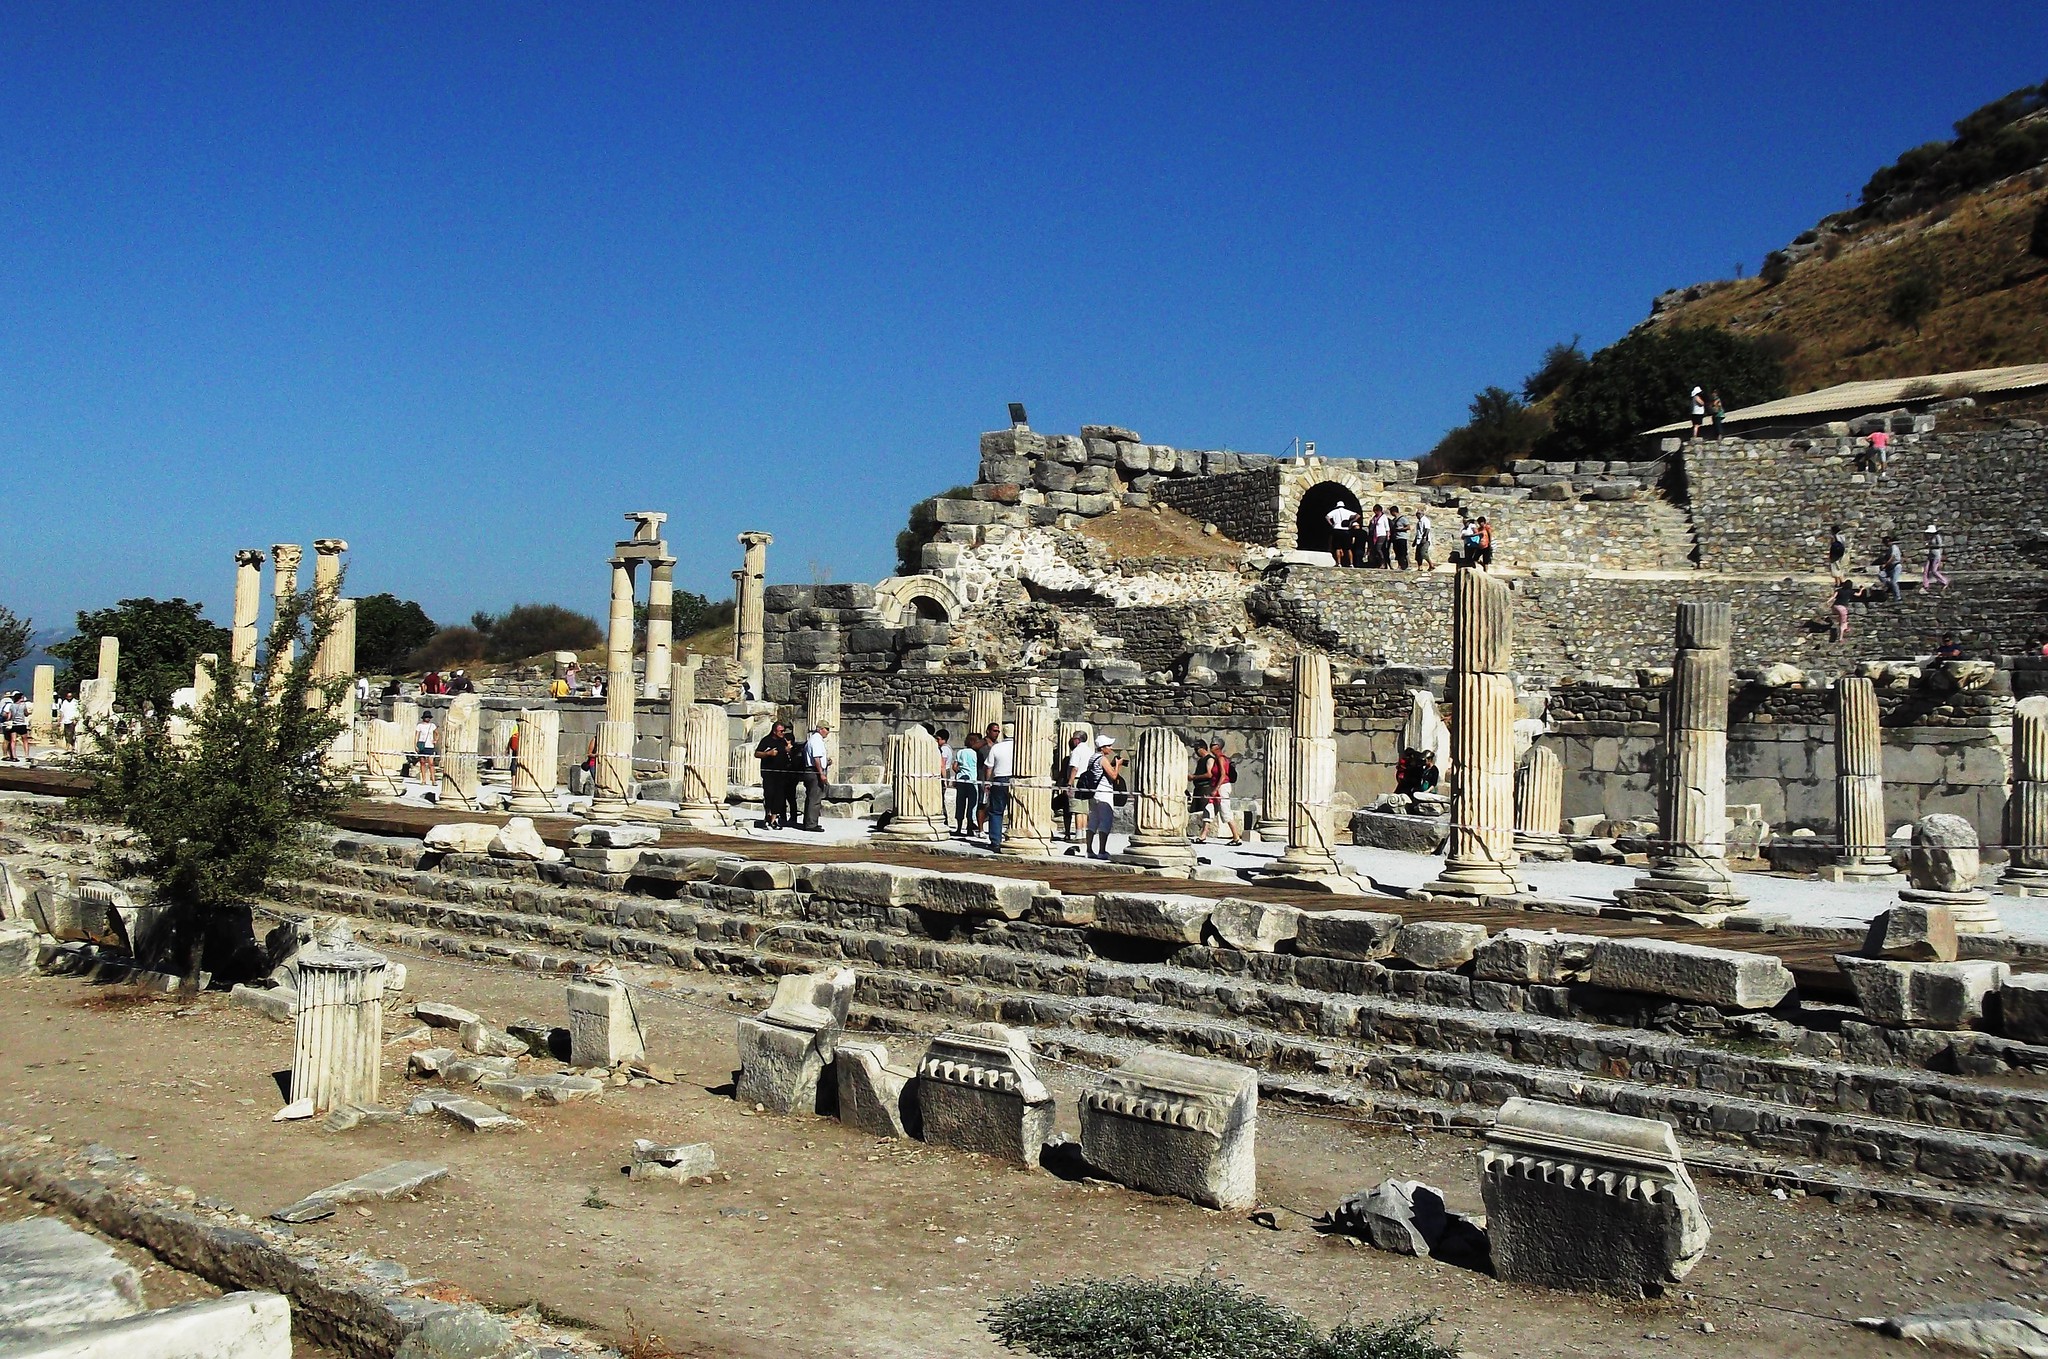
[2024, 882]
[1014, 848]
[1531, 845]
[1858, 871]
[1693, 885]
[1308, 871]
[1271, 832]
[699, 818]
[1477, 880]
[919, 830]
[1972, 911]
[609, 808]
[532, 804]
[1173, 860]
[1671, 908]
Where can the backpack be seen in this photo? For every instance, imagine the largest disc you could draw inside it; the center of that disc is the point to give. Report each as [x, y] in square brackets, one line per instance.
[1091, 777]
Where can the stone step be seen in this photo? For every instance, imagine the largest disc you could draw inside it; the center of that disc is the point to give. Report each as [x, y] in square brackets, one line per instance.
[1904, 1148]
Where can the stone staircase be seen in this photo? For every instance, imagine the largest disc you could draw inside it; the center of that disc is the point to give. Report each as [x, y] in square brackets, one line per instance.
[1375, 1042]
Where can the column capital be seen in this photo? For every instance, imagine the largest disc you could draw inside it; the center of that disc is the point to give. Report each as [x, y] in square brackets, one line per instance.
[250, 556]
[286, 555]
[647, 525]
[756, 538]
[330, 547]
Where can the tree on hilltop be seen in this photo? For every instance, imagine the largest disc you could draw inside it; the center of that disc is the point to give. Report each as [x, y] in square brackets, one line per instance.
[161, 640]
[388, 629]
[1501, 429]
[1645, 379]
[15, 633]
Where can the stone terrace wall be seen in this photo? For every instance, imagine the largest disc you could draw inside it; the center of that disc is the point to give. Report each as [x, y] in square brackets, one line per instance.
[1241, 505]
[1766, 506]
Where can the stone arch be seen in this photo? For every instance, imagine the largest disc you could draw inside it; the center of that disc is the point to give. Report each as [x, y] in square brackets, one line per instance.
[911, 599]
[1304, 509]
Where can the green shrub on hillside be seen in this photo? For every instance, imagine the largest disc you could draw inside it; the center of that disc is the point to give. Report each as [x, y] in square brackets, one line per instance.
[1918, 293]
[1501, 429]
[1645, 379]
[2002, 138]
[1197, 1319]
[161, 639]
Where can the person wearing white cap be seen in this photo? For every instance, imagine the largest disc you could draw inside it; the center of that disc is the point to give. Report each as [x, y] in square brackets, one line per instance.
[1099, 783]
[1932, 571]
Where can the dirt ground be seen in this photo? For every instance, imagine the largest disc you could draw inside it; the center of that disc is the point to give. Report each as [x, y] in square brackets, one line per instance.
[824, 1241]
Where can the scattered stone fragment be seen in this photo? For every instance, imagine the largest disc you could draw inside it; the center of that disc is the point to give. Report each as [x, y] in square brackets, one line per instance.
[1365, 936]
[470, 1070]
[604, 1027]
[1922, 995]
[237, 1326]
[627, 835]
[296, 1110]
[1944, 856]
[392, 1181]
[1168, 1123]
[542, 1039]
[653, 1161]
[1440, 945]
[1169, 917]
[874, 1097]
[2023, 1007]
[437, 1015]
[1409, 1217]
[272, 1002]
[429, 1061]
[475, 1115]
[1996, 1329]
[480, 1038]
[53, 1277]
[783, 1052]
[554, 1089]
[1915, 932]
[1254, 926]
[519, 839]
[978, 1090]
[1712, 976]
[461, 837]
[459, 1333]
[344, 1117]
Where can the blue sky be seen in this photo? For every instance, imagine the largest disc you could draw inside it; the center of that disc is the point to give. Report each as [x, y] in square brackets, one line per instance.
[462, 284]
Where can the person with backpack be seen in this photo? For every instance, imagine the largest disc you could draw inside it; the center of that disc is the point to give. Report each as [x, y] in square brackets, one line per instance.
[1067, 768]
[773, 753]
[1838, 551]
[1223, 776]
[425, 745]
[1100, 783]
[1425, 540]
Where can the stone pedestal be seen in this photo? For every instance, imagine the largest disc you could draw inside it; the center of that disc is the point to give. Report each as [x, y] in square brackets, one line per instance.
[1028, 830]
[43, 705]
[785, 1050]
[1690, 875]
[614, 771]
[613, 775]
[821, 708]
[1539, 805]
[1159, 813]
[2026, 813]
[1943, 867]
[109, 674]
[1480, 858]
[461, 783]
[248, 603]
[700, 790]
[340, 1038]
[1277, 746]
[1166, 1123]
[748, 637]
[604, 1028]
[914, 779]
[1310, 861]
[535, 770]
[978, 1090]
[1863, 855]
[984, 709]
[661, 609]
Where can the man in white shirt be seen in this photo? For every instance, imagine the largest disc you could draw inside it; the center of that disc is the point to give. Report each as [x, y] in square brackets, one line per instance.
[1001, 763]
[1340, 519]
[67, 721]
[817, 773]
[1079, 756]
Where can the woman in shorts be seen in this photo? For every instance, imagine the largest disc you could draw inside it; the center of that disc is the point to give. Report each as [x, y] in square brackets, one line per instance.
[425, 735]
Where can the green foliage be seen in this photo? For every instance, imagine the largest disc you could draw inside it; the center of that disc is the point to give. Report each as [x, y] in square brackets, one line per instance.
[530, 630]
[1561, 363]
[694, 614]
[2001, 138]
[14, 638]
[1777, 267]
[161, 640]
[1909, 301]
[1501, 429]
[388, 629]
[449, 646]
[1645, 379]
[1199, 1319]
[2037, 241]
[221, 814]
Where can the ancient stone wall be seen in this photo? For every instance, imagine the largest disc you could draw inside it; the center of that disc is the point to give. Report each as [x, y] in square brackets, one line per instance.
[1242, 505]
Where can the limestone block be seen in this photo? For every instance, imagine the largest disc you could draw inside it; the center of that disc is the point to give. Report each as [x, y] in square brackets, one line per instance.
[53, 1276]
[473, 1069]
[1913, 932]
[428, 1061]
[1170, 917]
[1711, 976]
[2023, 1007]
[558, 1088]
[1408, 1217]
[653, 1161]
[979, 894]
[277, 1003]
[1583, 1199]
[474, 1115]
[1254, 926]
[978, 1090]
[604, 1028]
[874, 1097]
[1944, 857]
[436, 1015]
[1441, 945]
[401, 1179]
[622, 835]
[1362, 935]
[756, 875]
[779, 1068]
[605, 860]
[1172, 1124]
[866, 884]
[1393, 830]
[485, 1041]
[1983, 1328]
[237, 1326]
[1541, 957]
[1922, 995]
[518, 839]
[461, 837]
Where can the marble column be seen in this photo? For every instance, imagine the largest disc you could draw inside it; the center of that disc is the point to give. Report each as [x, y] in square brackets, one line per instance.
[109, 673]
[614, 772]
[339, 658]
[920, 815]
[682, 679]
[204, 672]
[1277, 745]
[1539, 804]
[42, 705]
[661, 610]
[984, 709]
[340, 1037]
[284, 583]
[327, 568]
[1863, 853]
[1480, 860]
[2026, 812]
[405, 717]
[461, 723]
[1159, 813]
[706, 762]
[1690, 871]
[748, 639]
[1028, 830]
[388, 745]
[822, 708]
[248, 604]
[1311, 783]
[535, 771]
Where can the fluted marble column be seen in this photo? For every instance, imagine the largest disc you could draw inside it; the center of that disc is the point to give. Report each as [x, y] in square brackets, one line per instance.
[747, 633]
[461, 729]
[920, 815]
[1278, 748]
[340, 1037]
[661, 612]
[388, 745]
[1690, 872]
[2026, 812]
[614, 771]
[405, 717]
[204, 673]
[1028, 830]
[1311, 861]
[821, 708]
[700, 794]
[248, 603]
[1480, 860]
[1159, 814]
[1864, 853]
[535, 770]
[1539, 804]
[284, 583]
[984, 708]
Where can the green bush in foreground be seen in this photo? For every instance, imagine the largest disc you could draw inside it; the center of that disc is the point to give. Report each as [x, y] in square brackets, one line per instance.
[1197, 1319]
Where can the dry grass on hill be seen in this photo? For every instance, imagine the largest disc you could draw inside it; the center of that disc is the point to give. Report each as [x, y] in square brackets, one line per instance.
[1993, 307]
[1157, 533]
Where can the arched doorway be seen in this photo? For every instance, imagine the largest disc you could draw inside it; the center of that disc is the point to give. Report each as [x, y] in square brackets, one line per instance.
[1311, 520]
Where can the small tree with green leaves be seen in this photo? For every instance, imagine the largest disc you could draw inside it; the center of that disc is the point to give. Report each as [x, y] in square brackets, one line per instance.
[15, 633]
[1912, 298]
[161, 639]
[389, 629]
[2037, 242]
[227, 808]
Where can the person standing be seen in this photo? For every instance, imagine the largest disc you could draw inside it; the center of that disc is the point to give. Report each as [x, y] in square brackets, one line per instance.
[1845, 595]
[1201, 787]
[1220, 813]
[67, 721]
[793, 764]
[817, 773]
[773, 753]
[1340, 519]
[967, 785]
[1098, 783]
[1484, 534]
[1376, 536]
[1931, 572]
[1838, 552]
[426, 746]
[1893, 566]
[1071, 766]
[1716, 411]
[1880, 441]
[1404, 533]
[1699, 411]
[1425, 540]
[1001, 759]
